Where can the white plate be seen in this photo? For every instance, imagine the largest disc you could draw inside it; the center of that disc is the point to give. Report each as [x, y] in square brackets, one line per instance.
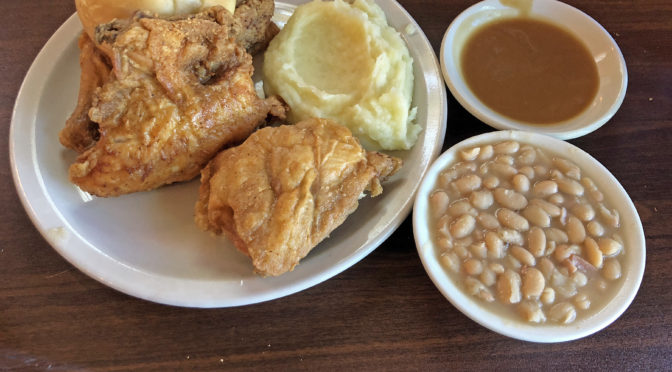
[616, 197]
[146, 244]
[610, 65]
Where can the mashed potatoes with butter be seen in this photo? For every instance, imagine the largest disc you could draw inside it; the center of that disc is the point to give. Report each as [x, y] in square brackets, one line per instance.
[342, 61]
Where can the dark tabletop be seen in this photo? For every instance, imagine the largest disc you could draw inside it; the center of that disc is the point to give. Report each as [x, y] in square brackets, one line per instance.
[382, 313]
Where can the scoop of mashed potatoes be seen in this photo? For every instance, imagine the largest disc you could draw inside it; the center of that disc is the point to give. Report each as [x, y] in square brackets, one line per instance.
[342, 61]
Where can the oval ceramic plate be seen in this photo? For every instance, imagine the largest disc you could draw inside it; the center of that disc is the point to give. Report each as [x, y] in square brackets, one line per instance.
[610, 65]
[631, 230]
[146, 244]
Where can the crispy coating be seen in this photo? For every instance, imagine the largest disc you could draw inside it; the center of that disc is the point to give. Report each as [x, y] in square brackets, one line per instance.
[181, 90]
[80, 132]
[286, 188]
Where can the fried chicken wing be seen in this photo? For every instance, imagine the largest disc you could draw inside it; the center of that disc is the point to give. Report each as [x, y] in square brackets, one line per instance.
[180, 91]
[80, 132]
[286, 188]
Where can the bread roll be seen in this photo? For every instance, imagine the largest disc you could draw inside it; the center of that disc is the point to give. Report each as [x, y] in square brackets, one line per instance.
[94, 12]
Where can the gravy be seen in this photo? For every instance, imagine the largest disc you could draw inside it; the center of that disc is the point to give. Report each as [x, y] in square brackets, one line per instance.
[530, 70]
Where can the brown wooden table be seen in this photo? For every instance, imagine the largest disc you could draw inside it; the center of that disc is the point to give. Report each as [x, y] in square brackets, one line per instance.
[383, 313]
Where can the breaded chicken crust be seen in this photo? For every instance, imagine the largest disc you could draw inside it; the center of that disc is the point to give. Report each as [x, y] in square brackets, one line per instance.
[285, 189]
[180, 90]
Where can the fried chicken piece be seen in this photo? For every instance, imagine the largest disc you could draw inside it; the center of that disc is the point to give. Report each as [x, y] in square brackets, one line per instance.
[80, 132]
[286, 188]
[181, 90]
[250, 26]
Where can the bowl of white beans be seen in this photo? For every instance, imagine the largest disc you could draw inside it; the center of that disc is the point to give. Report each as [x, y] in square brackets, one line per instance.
[529, 236]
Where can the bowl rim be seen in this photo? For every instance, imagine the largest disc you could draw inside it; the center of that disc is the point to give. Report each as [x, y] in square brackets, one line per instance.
[473, 105]
[469, 306]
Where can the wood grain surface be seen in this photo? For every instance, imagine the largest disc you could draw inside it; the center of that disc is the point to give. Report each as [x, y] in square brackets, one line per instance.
[383, 313]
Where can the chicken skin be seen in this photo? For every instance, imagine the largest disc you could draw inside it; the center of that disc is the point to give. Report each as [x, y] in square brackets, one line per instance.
[180, 90]
[286, 188]
[80, 132]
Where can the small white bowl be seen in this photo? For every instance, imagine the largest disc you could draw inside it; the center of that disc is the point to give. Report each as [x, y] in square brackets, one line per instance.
[610, 65]
[631, 231]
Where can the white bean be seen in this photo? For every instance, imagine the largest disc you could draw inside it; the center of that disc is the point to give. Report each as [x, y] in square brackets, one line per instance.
[593, 253]
[460, 207]
[593, 192]
[506, 147]
[509, 218]
[550, 247]
[540, 170]
[537, 215]
[473, 266]
[504, 159]
[595, 228]
[486, 153]
[556, 235]
[481, 199]
[463, 226]
[546, 267]
[556, 199]
[491, 182]
[439, 203]
[568, 168]
[475, 288]
[521, 183]
[575, 230]
[488, 277]
[569, 186]
[450, 261]
[496, 267]
[562, 284]
[443, 225]
[545, 188]
[531, 312]
[468, 183]
[611, 217]
[533, 283]
[611, 269]
[479, 250]
[512, 263]
[580, 279]
[527, 171]
[510, 236]
[485, 295]
[527, 156]
[510, 199]
[547, 296]
[582, 301]
[488, 221]
[552, 209]
[461, 251]
[508, 287]
[609, 247]
[536, 241]
[563, 251]
[470, 154]
[523, 255]
[494, 244]
[563, 216]
[503, 170]
[444, 244]
[583, 211]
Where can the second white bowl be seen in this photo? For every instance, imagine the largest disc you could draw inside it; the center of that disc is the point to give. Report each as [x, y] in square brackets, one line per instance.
[610, 65]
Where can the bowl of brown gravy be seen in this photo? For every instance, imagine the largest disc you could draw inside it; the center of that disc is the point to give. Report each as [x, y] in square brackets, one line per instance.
[536, 65]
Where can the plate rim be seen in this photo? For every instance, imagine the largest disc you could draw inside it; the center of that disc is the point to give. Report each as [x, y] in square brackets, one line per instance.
[123, 278]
